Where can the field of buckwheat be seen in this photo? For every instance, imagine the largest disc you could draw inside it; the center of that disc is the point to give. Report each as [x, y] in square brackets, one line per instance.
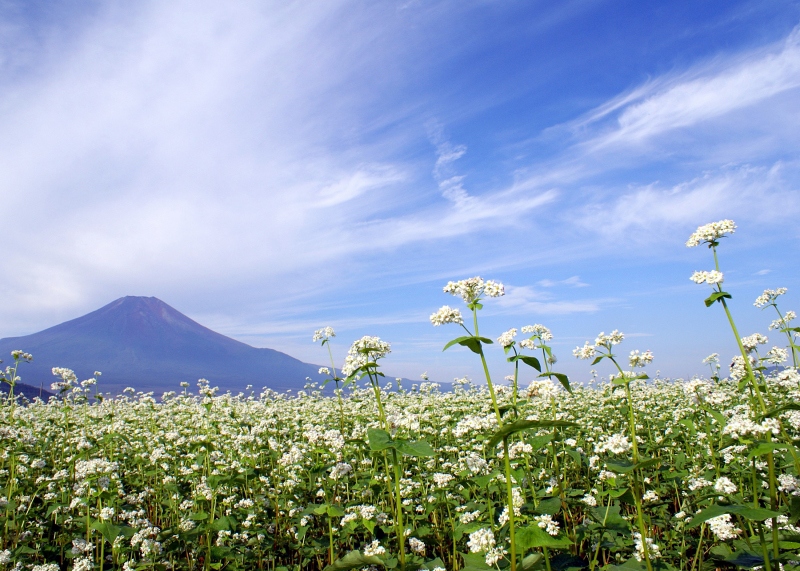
[627, 473]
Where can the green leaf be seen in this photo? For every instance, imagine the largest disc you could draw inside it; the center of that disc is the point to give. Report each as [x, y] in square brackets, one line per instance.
[630, 565]
[416, 449]
[379, 439]
[529, 561]
[598, 359]
[610, 517]
[562, 378]
[623, 466]
[717, 296]
[471, 342]
[753, 514]
[745, 559]
[530, 361]
[776, 411]
[110, 531]
[533, 536]
[549, 506]
[334, 511]
[517, 426]
[765, 448]
[352, 560]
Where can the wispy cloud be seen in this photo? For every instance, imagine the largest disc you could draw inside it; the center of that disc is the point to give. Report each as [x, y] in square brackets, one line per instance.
[574, 281]
[527, 299]
[702, 93]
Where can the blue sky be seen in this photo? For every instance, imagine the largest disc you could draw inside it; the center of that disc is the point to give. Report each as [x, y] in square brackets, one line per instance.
[269, 168]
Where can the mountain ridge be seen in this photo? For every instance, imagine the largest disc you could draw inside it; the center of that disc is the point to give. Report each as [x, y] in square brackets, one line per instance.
[145, 343]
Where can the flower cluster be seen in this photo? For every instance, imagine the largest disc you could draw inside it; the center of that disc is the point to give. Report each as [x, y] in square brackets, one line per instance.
[713, 277]
[365, 350]
[447, 314]
[636, 359]
[507, 338]
[470, 290]
[769, 296]
[711, 232]
[323, 334]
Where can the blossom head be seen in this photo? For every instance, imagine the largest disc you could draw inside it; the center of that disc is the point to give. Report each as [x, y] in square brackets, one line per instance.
[769, 296]
[539, 331]
[752, 341]
[507, 338]
[637, 359]
[710, 233]
[446, 314]
[323, 334]
[471, 289]
[585, 352]
[365, 350]
[711, 278]
[608, 341]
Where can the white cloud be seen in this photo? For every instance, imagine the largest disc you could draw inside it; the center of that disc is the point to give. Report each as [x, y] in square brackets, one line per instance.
[574, 281]
[702, 93]
[526, 299]
[752, 192]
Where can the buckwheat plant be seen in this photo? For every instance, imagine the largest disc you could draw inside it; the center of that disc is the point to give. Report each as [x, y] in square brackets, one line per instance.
[325, 334]
[601, 349]
[710, 235]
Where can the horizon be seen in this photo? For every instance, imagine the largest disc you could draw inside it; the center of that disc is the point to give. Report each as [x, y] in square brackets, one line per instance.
[269, 170]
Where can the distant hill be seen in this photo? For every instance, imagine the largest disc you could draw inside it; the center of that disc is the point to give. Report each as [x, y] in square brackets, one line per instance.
[27, 391]
[144, 343]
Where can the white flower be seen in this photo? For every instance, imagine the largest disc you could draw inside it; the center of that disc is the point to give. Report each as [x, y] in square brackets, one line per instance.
[616, 444]
[650, 496]
[585, 352]
[374, 548]
[711, 278]
[713, 358]
[723, 485]
[446, 314]
[539, 331]
[753, 341]
[416, 545]
[637, 359]
[653, 550]
[494, 555]
[589, 500]
[722, 527]
[481, 540]
[711, 232]
[507, 338]
[544, 388]
[471, 289]
[324, 371]
[769, 296]
[546, 523]
[789, 484]
[614, 338]
[441, 480]
[365, 350]
[784, 322]
[323, 334]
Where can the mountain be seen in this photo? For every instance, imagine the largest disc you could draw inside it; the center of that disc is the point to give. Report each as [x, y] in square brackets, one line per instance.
[144, 343]
[27, 391]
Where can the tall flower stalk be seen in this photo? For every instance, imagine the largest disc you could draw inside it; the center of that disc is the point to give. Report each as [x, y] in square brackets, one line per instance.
[602, 350]
[472, 291]
[710, 235]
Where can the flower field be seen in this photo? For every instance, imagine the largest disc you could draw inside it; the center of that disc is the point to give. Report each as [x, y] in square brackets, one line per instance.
[627, 473]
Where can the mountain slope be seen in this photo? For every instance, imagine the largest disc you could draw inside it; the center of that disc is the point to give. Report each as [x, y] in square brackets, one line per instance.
[145, 343]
